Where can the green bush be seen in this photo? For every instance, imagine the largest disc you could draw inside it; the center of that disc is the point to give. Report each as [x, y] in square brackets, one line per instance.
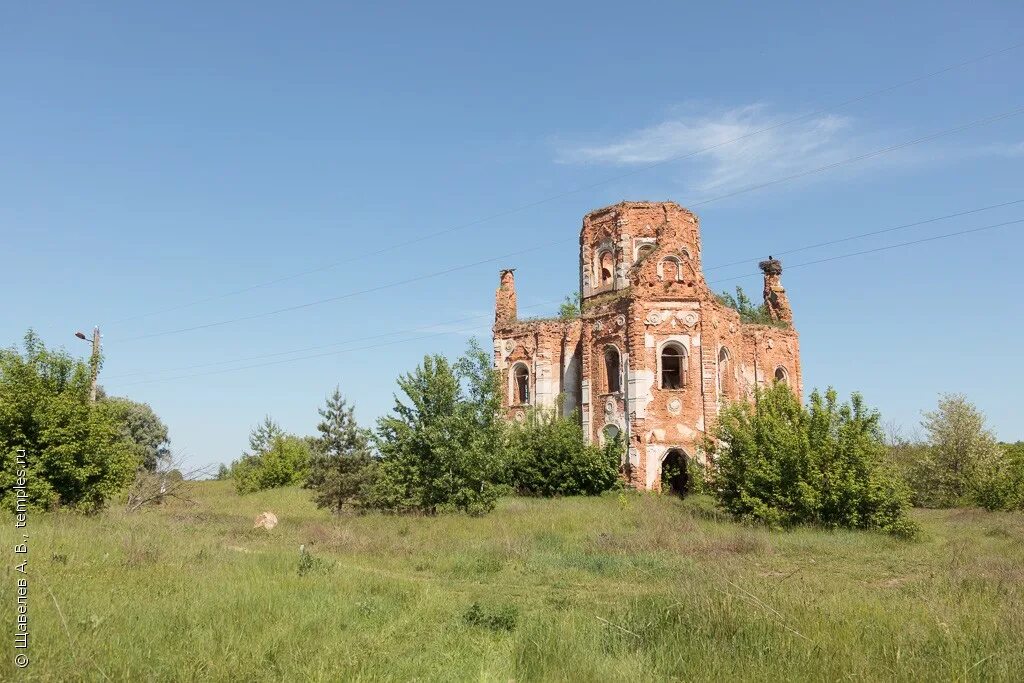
[77, 451]
[547, 456]
[501, 618]
[1000, 481]
[783, 464]
[283, 462]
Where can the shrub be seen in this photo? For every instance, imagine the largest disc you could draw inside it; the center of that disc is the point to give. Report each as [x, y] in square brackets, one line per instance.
[285, 461]
[441, 447]
[1000, 482]
[308, 564]
[782, 464]
[501, 618]
[76, 451]
[547, 456]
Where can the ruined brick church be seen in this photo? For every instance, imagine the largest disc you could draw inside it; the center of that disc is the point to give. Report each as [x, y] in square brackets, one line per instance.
[654, 353]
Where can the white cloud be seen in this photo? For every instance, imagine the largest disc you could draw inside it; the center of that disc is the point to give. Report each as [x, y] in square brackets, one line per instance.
[731, 148]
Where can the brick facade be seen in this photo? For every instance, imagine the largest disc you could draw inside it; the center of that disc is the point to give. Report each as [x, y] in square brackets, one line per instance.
[654, 352]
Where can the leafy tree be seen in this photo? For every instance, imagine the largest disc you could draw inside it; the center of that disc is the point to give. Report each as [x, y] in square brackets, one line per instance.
[1000, 481]
[960, 448]
[440, 447]
[548, 457]
[570, 308]
[284, 462]
[142, 428]
[76, 451]
[223, 472]
[782, 464]
[342, 464]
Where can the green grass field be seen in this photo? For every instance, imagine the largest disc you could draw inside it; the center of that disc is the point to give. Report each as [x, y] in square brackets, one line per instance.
[623, 587]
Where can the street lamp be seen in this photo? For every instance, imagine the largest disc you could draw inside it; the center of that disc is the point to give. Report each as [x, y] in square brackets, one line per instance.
[94, 359]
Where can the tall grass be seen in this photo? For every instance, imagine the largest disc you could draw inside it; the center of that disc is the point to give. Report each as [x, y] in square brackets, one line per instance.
[621, 587]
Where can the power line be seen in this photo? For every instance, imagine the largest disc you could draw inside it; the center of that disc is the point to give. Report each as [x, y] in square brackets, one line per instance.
[401, 341]
[705, 270]
[820, 169]
[877, 249]
[347, 295]
[627, 174]
[869, 234]
[323, 346]
[290, 360]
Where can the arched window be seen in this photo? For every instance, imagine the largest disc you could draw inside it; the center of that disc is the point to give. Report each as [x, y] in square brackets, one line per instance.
[781, 375]
[644, 251]
[610, 433]
[612, 369]
[673, 366]
[607, 262]
[670, 269]
[724, 370]
[520, 384]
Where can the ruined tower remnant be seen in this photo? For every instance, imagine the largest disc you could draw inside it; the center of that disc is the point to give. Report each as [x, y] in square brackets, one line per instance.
[505, 299]
[654, 353]
[774, 293]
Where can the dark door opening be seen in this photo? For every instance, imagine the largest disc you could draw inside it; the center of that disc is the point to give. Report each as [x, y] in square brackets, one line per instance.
[674, 478]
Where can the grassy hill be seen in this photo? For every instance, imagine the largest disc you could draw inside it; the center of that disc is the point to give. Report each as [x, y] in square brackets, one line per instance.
[623, 587]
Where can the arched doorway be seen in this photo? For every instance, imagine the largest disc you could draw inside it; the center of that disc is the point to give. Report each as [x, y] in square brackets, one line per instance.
[674, 477]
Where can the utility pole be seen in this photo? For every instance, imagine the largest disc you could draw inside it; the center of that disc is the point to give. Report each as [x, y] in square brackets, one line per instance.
[94, 360]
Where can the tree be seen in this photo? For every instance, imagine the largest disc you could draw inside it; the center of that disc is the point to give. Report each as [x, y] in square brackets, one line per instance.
[76, 452]
[263, 434]
[960, 447]
[440, 447]
[1000, 484]
[284, 462]
[342, 464]
[142, 428]
[549, 457]
[570, 308]
[782, 464]
[749, 313]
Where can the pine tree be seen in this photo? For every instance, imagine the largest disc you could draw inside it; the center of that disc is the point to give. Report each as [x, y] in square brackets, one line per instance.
[342, 462]
[263, 435]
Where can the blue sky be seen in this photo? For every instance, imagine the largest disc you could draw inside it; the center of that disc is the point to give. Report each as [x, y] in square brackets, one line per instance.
[155, 156]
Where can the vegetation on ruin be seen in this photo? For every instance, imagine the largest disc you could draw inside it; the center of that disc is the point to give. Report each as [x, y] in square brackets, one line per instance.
[594, 588]
[749, 312]
[571, 308]
[600, 300]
